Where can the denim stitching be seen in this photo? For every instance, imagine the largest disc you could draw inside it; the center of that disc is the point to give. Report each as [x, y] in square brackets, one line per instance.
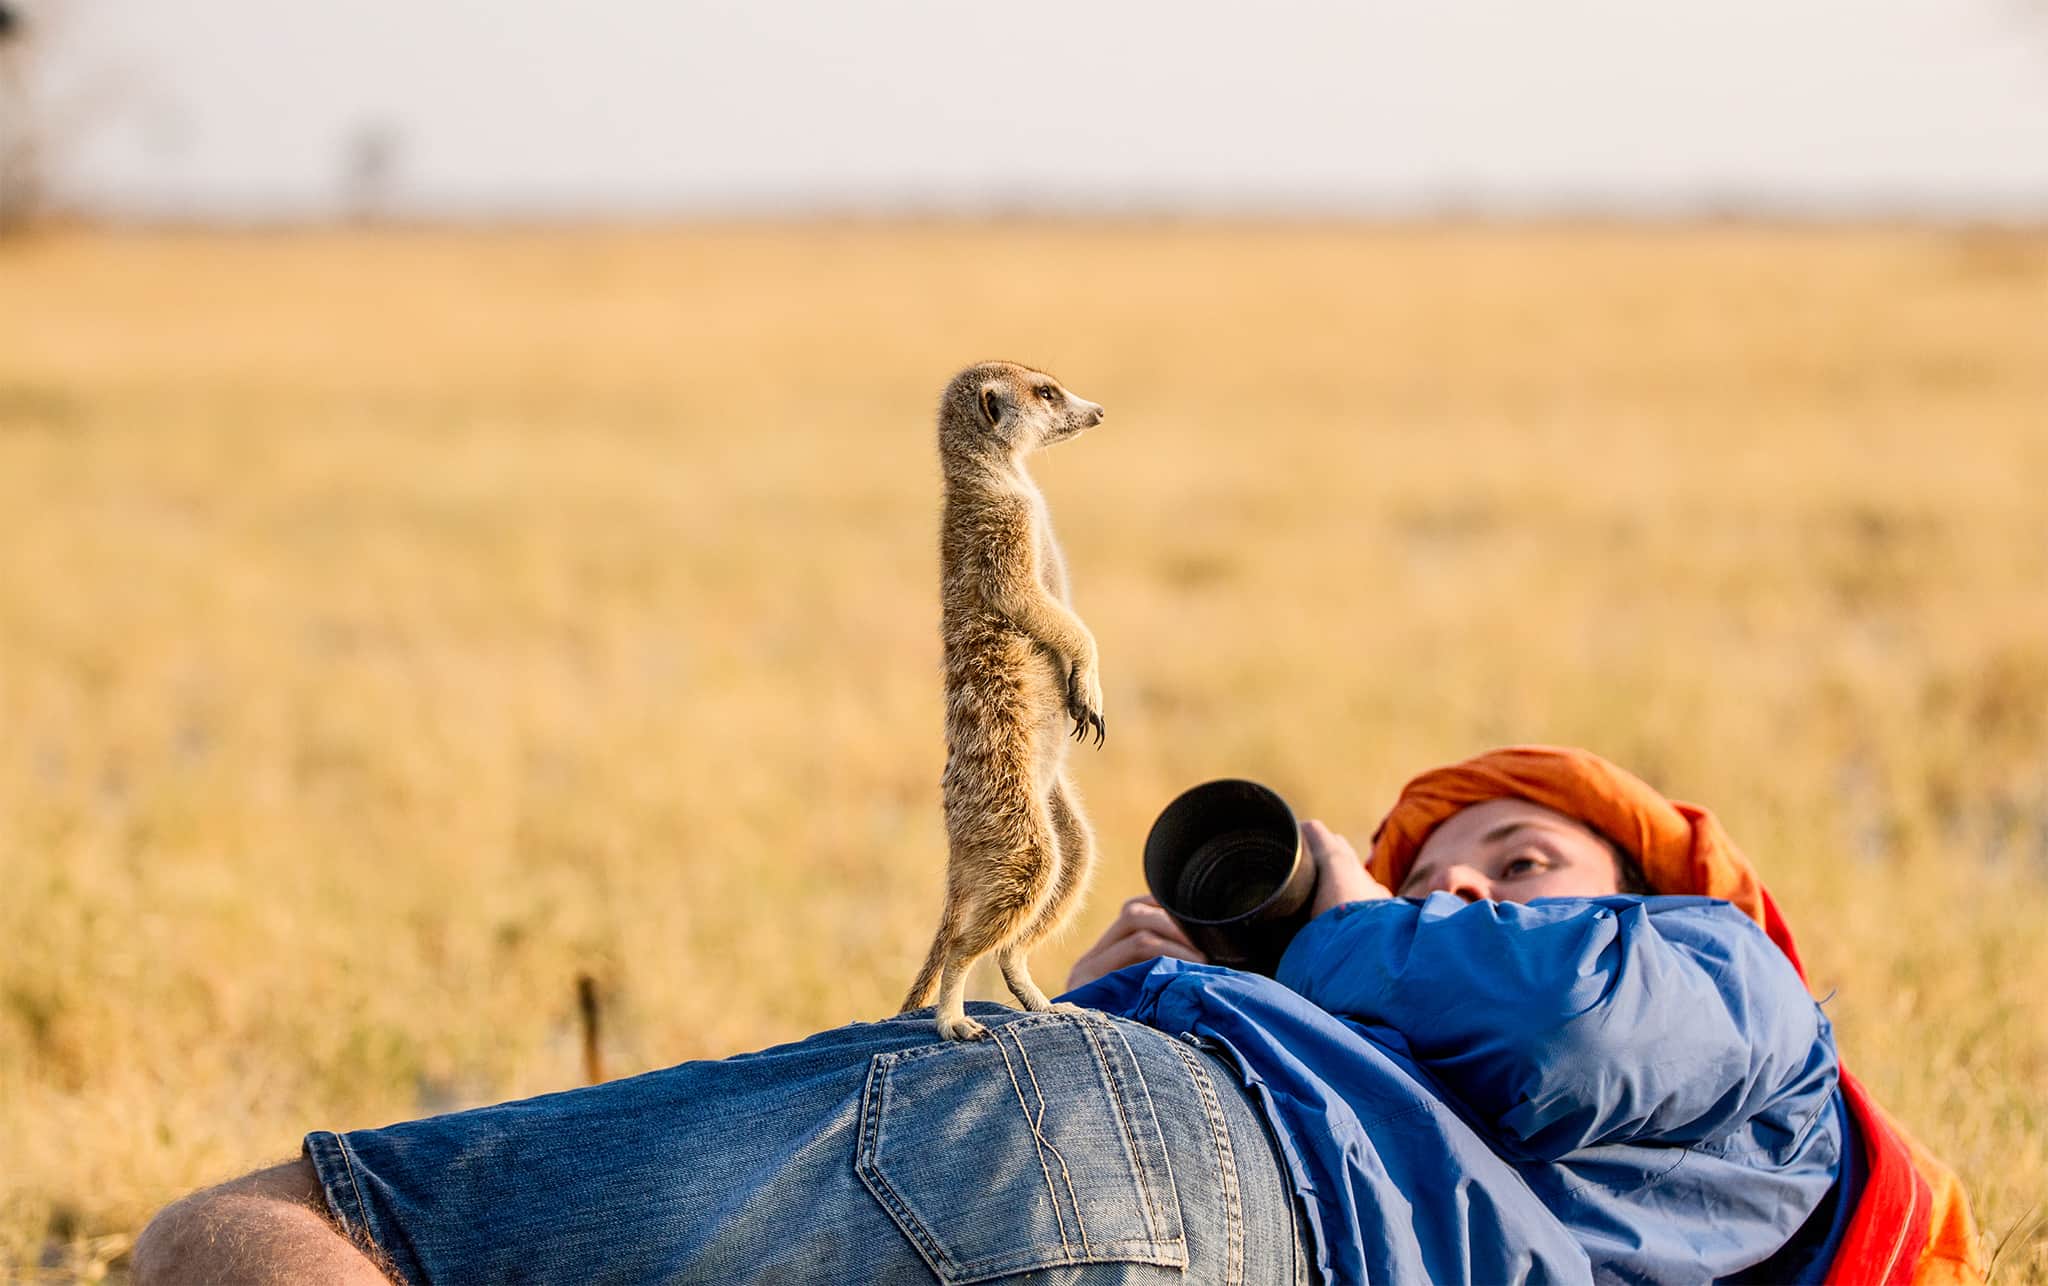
[1066, 1247]
[1145, 1250]
[1116, 1104]
[1025, 1021]
[1226, 1169]
[1123, 1123]
[877, 1183]
[1038, 1133]
[348, 1164]
[1156, 1208]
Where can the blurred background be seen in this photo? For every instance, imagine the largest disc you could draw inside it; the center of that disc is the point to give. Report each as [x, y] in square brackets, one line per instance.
[246, 111]
[468, 509]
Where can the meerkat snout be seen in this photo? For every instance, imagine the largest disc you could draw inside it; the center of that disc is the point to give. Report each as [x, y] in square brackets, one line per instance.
[1020, 410]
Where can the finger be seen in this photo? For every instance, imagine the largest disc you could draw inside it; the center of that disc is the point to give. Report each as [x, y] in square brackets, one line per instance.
[1146, 945]
[1149, 917]
[1153, 945]
[1326, 846]
[1340, 876]
[1143, 911]
[1109, 957]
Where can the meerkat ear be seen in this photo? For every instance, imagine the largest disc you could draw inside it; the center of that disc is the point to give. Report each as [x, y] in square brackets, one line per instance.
[991, 405]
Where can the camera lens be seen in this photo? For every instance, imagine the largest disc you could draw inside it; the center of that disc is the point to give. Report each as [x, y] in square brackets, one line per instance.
[1233, 874]
[1225, 860]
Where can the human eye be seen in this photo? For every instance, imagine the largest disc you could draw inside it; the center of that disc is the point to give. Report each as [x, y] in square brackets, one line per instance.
[1521, 864]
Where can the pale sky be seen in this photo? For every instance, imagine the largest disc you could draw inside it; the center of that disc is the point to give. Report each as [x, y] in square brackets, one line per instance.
[649, 107]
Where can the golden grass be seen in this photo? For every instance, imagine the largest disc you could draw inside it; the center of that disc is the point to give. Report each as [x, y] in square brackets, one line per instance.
[394, 626]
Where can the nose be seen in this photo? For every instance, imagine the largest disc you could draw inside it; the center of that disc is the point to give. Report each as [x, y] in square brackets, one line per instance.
[1096, 414]
[1463, 882]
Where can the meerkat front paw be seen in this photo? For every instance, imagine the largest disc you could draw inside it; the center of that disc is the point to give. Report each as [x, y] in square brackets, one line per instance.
[1084, 701]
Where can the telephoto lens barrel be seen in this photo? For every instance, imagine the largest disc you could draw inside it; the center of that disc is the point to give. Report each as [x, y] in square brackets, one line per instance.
[1226, 860]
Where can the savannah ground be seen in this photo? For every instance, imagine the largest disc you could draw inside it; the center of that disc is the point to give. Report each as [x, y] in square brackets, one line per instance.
[395, 626]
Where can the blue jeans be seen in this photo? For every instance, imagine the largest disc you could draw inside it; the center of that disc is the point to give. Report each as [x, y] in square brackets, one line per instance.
[1068, 1148]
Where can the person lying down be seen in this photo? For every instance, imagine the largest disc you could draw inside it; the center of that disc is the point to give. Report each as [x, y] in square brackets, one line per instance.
[1552, 1029]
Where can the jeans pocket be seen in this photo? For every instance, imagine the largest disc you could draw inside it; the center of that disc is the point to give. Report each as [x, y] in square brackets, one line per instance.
[1035, 1148]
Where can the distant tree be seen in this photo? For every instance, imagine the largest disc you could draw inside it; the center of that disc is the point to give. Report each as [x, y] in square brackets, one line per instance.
[42, 120]
[369, 169]
[21, 169]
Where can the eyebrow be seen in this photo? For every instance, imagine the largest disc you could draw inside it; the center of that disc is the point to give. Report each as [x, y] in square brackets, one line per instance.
[1498, 833]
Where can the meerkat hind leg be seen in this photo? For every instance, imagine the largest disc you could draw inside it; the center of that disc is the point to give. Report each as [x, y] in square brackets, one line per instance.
[1070, 880]
[994, 920]
[1017, 975]
[1077, 858]
[1077, 863]
[954, 1024]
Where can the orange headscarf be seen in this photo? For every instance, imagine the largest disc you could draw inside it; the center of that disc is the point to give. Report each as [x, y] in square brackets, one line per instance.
[1912, 1221]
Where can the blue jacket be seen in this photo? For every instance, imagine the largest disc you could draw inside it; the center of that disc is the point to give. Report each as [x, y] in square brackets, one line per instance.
[1617, 1089]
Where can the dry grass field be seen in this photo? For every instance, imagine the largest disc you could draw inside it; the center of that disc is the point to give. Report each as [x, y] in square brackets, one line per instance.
[394, 626]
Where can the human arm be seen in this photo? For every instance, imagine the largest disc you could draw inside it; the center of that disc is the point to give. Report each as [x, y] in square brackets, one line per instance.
[1569, 1023]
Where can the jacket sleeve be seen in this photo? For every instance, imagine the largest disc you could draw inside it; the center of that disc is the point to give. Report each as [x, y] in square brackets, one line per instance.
[1574, 1022]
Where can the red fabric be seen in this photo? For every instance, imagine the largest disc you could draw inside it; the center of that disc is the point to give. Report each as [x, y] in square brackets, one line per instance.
[1890, 1226]
[1912, 1221]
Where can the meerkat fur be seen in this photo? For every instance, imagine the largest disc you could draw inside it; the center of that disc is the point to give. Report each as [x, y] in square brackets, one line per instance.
[1022, 682]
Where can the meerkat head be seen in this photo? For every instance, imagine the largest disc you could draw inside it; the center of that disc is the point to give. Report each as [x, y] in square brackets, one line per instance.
[1001, 410]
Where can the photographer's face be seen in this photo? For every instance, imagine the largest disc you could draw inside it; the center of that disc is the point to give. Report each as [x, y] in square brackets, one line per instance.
[1512, 850]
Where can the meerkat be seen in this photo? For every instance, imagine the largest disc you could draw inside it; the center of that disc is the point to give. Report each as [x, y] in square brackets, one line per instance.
[1020, 667]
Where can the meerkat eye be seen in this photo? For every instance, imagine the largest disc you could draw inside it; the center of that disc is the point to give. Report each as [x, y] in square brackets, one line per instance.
[1045, 391]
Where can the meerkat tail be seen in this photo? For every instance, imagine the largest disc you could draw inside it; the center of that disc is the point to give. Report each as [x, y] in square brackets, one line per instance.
[927, 984]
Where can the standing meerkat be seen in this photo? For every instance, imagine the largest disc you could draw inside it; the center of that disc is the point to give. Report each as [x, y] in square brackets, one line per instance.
[1020, 668]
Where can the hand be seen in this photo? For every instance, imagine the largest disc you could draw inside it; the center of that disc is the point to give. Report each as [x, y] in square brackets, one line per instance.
[1340, 876]
[1141, 931]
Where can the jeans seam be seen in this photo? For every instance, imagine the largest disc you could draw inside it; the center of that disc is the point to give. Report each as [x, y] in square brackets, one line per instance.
[935, 1257]
[348, 1164]
[1038, 1132]
[1040, 1145]
[1146, 1247]
[1153, 1221]
[1155, 1209]
[1226, 1168]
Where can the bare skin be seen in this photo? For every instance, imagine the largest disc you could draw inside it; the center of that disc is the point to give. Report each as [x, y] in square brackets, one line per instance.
[1510, 850]
[1506, 850]
[268, 1227]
